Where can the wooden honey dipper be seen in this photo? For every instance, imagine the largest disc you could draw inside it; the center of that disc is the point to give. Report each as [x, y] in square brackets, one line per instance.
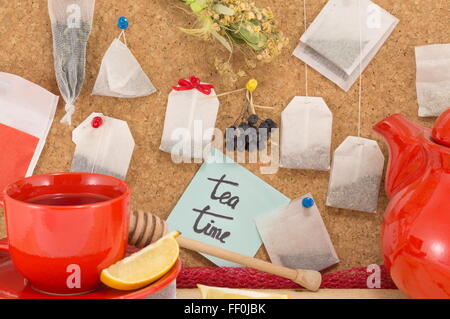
[146, 228]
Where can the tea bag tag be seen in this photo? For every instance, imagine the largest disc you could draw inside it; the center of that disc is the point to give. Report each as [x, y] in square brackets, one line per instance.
[120, 73]
[295, 236]
[356, 175]
[104, 145]
[306, 128]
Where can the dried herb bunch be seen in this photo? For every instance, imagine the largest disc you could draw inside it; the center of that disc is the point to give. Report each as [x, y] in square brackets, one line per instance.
[238, 24]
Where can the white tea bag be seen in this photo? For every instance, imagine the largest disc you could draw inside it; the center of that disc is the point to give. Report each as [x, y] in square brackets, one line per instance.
[345, 33]
[71, 25]
[433, 79]
[190, 121]
[306, 125]
[356, 174]
[27, 107]
[104, 145]
[121, 75]
[296, 237]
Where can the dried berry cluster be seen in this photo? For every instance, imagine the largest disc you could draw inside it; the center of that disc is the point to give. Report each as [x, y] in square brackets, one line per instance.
[249, 135]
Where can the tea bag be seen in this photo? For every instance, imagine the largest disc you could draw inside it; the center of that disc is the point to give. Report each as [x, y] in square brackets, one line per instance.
[71, 25]
[120, 73]
[104, 145]
[26, 115]
[306, 134]
[190, 119]
[345, 32]
[296, 237]
[433, 79]
[356, 174]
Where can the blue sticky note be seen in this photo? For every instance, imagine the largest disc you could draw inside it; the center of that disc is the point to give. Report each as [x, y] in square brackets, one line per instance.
[220, 204]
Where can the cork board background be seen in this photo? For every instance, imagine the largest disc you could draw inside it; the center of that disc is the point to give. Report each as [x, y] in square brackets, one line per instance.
[167, 54]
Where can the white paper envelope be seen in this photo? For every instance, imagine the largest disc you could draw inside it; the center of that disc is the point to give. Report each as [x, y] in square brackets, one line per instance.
[121, 75]
[106, 149]
[306, 125]
[27, 107]
[296, 237]
[356, 174]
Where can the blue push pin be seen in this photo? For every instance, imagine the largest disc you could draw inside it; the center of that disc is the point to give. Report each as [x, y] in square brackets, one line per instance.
[308, 202]
[123, 23]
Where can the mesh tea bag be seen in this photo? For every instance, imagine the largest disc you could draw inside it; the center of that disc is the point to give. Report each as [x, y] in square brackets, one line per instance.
[433, 79]
[306, 134]
[296, 237]
[104, 145]
[356, 174]
[120, 73]
[190, 119]
[345, 32]
[71, 25]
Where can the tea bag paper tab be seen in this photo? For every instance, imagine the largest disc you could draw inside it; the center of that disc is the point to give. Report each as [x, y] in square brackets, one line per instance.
[189, 123]
[220, 204]
[433, 79]
[296, 237]
[121, 75]
[306, 125]
[28, 108]
[106, 149]
[344, 34]
[71, 25]
[356, 174]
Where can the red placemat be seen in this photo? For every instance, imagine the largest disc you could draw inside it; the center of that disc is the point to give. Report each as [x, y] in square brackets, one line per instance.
[249, 278]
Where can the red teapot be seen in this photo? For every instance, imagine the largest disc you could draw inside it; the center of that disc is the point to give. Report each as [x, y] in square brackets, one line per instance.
[416, 226]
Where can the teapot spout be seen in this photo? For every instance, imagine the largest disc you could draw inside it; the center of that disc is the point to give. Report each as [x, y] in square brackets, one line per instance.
[408, 159]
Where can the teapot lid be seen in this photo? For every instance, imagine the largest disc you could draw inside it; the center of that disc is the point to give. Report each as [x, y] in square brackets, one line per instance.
[441, 130]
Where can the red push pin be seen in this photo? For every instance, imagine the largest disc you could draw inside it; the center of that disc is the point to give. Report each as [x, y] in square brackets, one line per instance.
[97, 122]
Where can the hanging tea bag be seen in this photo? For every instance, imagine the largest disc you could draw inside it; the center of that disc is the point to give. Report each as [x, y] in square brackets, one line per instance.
[71, 25]
[296, 237]
[334, 43]
[120, 73]
[104, 145]
[26, 115]
[190, 118]
[306, 125]
[433, 79]
[356, 174]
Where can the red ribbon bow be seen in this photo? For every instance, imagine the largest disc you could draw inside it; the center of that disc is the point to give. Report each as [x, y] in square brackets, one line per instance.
[193, 83]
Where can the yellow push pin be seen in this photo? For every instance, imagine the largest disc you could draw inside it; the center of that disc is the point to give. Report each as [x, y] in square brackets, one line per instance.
[251, 85]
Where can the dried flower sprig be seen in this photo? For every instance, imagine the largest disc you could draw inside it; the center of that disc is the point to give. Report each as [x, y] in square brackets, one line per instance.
[238, 23]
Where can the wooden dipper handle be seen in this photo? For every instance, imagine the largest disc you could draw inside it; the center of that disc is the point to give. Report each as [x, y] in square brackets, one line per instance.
[309, 279]
[146, 228]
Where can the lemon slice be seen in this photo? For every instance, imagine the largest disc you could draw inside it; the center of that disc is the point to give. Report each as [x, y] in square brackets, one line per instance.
[228, 293]
[143, 267]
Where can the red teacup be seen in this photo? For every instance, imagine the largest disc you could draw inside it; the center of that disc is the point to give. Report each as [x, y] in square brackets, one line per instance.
[64, 228]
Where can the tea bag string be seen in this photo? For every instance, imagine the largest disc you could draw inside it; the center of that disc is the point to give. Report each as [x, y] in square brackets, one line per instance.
[360, 70]
[305, 21]
[249, 88]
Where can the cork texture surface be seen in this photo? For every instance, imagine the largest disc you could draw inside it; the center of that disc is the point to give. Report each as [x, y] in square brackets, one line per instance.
[166, 54]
